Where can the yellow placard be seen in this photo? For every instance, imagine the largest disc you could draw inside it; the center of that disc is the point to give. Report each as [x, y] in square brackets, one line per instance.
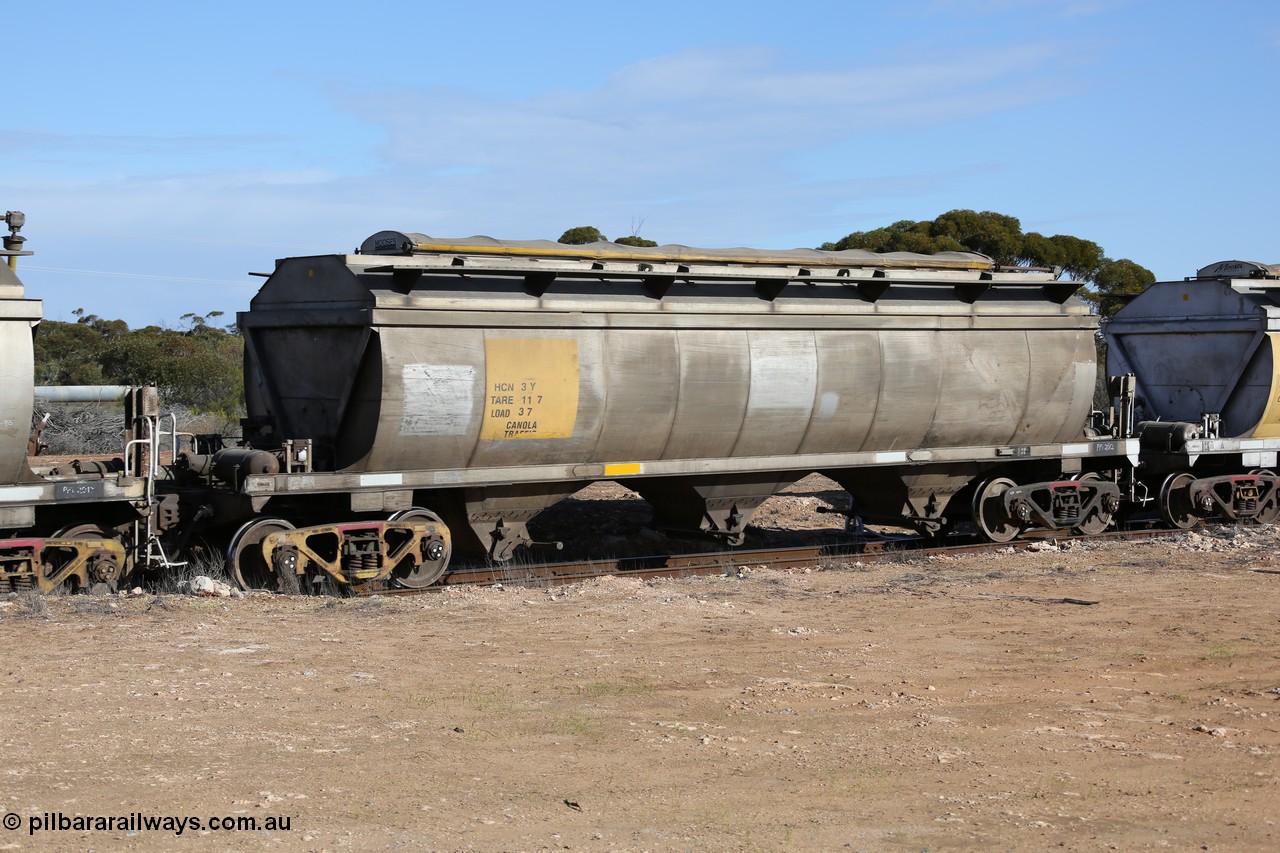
[531, 388]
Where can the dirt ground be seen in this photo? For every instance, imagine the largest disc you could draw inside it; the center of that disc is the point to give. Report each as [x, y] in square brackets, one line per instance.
[946, 704]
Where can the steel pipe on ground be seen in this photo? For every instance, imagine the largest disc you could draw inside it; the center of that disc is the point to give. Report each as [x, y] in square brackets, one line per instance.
[81, 393]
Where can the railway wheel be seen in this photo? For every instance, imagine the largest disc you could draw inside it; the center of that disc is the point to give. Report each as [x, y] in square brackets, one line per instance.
[1269, 512]
[103, 569]
[244, 556]
[989, 515]
[417, 571]
[1175, 502]
[1100, 520]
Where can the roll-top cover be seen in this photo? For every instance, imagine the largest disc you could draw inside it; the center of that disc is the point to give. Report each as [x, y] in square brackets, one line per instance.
[402, 243]
[1239, 269]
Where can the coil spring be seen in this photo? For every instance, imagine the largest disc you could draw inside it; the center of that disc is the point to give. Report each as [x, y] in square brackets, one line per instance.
[365, 561]
[1066, 507]
[20, 583]
[1067, 513]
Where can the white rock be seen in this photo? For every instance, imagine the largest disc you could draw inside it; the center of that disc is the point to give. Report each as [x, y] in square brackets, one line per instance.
[207, 586]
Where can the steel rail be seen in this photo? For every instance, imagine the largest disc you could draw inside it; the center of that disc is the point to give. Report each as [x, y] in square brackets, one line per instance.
[721, 562]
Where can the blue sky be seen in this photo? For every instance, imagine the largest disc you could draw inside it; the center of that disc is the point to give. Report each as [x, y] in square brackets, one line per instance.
[162, 152]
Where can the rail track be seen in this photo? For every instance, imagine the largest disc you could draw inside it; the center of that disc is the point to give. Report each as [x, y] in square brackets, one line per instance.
[721, 562]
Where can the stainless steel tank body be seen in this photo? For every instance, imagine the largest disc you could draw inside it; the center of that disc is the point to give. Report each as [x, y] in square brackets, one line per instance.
[452, 359]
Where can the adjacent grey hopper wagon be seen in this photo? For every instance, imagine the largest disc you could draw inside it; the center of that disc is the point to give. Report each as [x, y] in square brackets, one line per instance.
[487, 379]
[1206, 390]
[1203, 350]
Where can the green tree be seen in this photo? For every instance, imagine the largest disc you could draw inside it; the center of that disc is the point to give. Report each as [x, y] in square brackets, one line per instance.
[633, 240]
[68, 353]
[902, 236]
[199, 367]
[1041, 251]
[1079, 258]
[581, 235]
[1116, 280]
[1001, 238]
[993, 234]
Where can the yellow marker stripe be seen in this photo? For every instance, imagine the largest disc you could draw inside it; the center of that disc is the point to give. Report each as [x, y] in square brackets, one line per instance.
[621, 469]
[1269, 425]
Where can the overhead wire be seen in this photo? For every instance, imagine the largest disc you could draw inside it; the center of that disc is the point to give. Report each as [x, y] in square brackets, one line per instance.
[109, 274]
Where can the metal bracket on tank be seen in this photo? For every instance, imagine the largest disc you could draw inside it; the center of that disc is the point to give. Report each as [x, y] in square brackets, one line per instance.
[1060, 291]
[870, 291]
[403, 279]
[969, 293]
[769, 289]
[538, 283]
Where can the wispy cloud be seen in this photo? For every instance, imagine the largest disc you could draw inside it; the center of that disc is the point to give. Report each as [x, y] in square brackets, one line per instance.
[730, 147]
[49, 146]
[983, 8]
[718, 126]
[704, 142]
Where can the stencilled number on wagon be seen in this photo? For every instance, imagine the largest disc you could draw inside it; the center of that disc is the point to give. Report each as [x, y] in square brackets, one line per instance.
[77, 491]
[531, 387]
